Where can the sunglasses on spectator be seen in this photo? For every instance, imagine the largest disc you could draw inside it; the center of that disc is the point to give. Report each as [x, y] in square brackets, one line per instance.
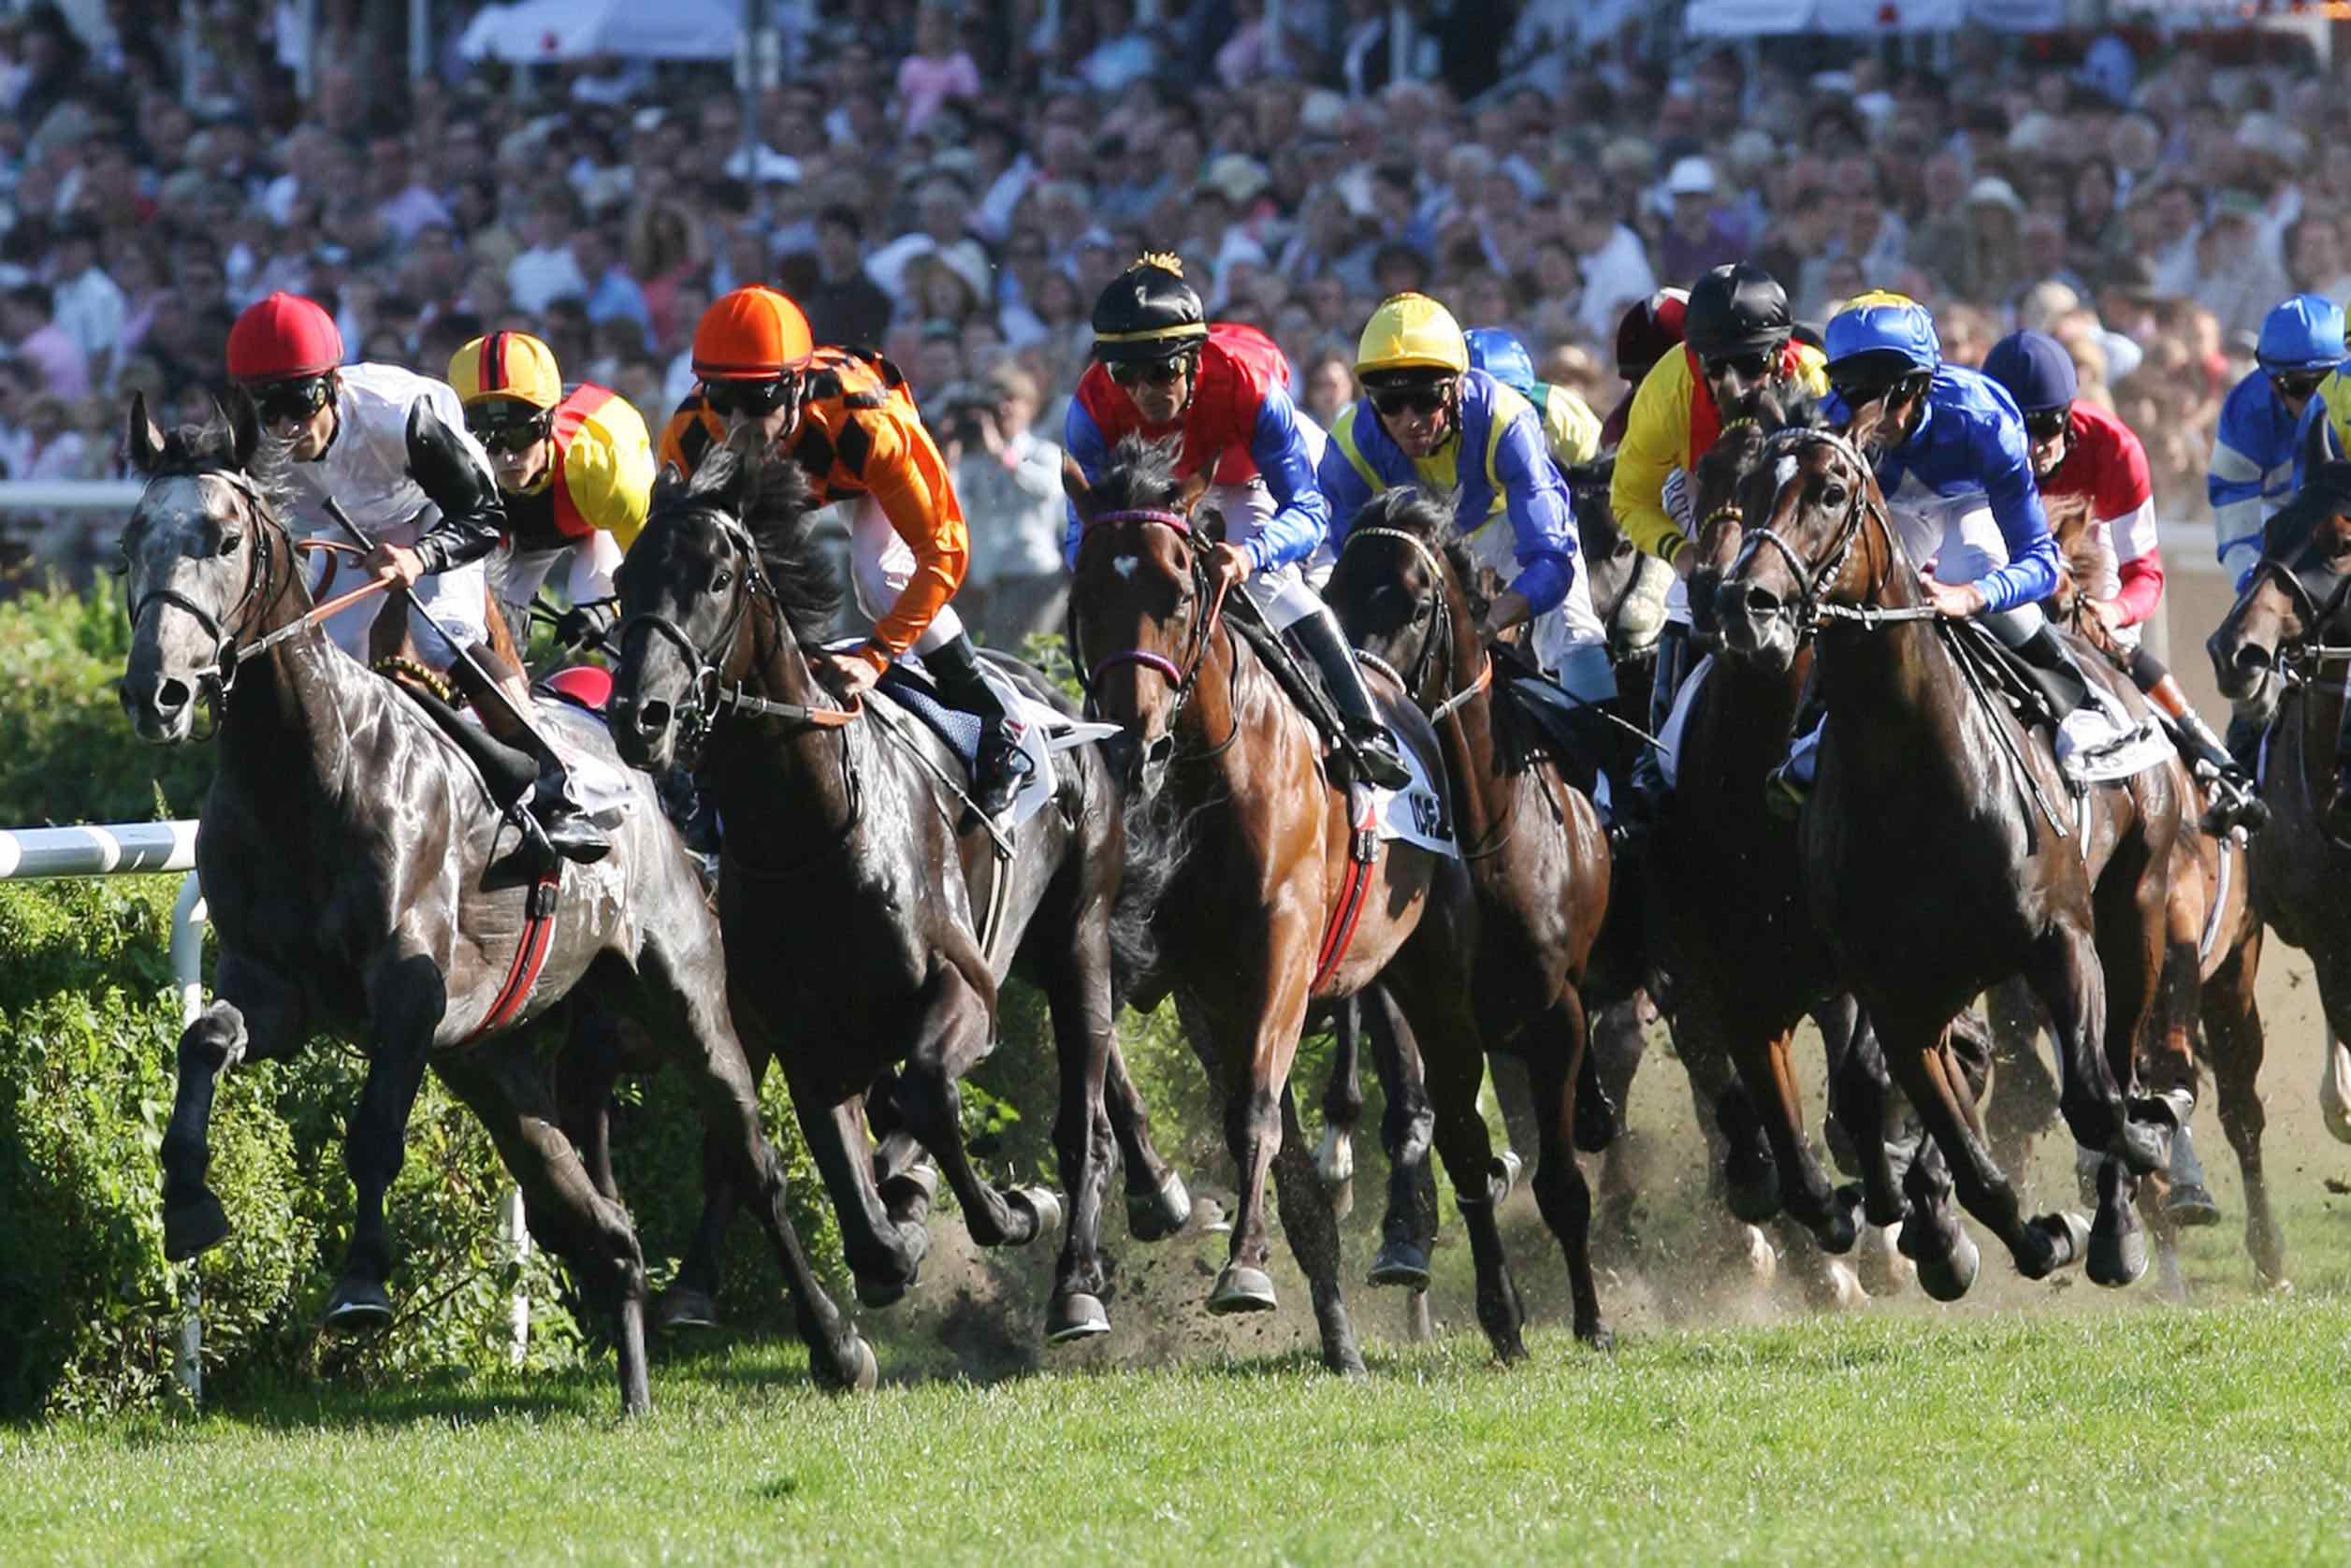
[509, 434]
[1750, 366]
[2297, 384]
[2048, 423]
[1394, 401]
[287, 402]
[1158, 372]
[755, 398]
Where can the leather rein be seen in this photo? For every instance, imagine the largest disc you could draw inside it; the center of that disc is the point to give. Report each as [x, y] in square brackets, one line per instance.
[1813, 609]
[1183, 677]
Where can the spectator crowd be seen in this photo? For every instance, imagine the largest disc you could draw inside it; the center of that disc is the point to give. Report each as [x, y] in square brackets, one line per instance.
[955, 184]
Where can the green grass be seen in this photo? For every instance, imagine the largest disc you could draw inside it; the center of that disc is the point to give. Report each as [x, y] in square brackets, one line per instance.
[2110, 1437]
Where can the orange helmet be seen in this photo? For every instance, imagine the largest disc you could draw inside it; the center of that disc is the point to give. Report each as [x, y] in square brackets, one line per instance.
[511, 365]
[751, 334]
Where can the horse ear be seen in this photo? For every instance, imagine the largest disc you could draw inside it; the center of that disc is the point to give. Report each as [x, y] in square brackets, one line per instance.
[1209, 522]
[141, 439]
[1073, 481]
[245, 428]
[668, 484]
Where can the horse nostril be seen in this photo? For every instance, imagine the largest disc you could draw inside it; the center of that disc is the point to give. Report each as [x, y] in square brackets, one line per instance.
[652, 718]
[1758, 604]
[2252, 659]
[170, 695]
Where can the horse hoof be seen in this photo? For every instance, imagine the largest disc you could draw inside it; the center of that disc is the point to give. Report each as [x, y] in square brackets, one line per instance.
[1755, 1199]
[2191, 1206]
[1073, 1317]
[1762, 1258]
[684, 1307]
[1841, 1286]
[863, 1372]
[2117, 1258]
[1403, 1263]
[358, 1306]
[1881, 1267]
[1599, 1337]
[1155, 1217]
[1044, 1204]
[1947, 1278]
[1508, 1166]
[2069, 1241]
[1334, 1157]
[191, 1228]
[1241, 1289]
[1840, 1231]
[876, 1293]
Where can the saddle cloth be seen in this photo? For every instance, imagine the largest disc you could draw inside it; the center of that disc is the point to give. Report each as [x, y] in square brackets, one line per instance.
[1414, 814]
[1044, 728]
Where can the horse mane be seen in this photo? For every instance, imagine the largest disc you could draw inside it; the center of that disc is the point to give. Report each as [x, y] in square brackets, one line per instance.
[2072, 523]
[768, 494]
[2325, 491]
[209, 446]
[1141, 476]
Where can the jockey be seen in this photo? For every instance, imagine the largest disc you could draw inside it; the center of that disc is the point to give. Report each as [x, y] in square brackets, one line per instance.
[577, 472]
[2081, 450]
[849, 419]
[1162, 371]
[391, 448]
[1651, 329]
[1573, 432]
[1956, 468]
[1738, 333]
[2254, 453]
[1427, 419]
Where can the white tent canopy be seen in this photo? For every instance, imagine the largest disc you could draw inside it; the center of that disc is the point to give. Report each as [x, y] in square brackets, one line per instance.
[538, 31]
[1740, 19]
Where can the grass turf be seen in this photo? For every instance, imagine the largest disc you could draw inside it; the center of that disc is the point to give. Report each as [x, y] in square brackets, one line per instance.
[2157, 1434]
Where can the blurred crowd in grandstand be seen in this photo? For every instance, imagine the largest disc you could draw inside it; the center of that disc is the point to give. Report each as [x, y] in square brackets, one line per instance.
[954, 184]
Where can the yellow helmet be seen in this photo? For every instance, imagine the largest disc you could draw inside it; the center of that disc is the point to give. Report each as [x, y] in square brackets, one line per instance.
[1412, 332]
[511, 365]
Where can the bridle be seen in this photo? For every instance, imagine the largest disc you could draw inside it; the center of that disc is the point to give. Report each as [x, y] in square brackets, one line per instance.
[1812, 608]
[1440, 626]
[1183, 677]
[712, 692]
[2314, 612]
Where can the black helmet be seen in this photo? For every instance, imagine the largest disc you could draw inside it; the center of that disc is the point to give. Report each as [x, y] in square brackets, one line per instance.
[1736, 309]
[1148, 313]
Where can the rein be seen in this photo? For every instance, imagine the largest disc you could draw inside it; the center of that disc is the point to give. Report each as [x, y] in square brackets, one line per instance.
[1813, 608]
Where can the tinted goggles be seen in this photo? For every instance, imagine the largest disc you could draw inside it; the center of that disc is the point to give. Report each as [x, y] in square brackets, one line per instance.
[755, 398]
[1157, 372]
[1427, 398]
[2296, 384]
[508, 433]
[288, 401]
[1750, 366]
[2048, 423]
[1858, 394]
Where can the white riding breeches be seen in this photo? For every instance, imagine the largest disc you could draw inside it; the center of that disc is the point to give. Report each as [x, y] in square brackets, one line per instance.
[1959, 534]
[880, 564]
[456, 598]
[1568, 639]
[515, 575]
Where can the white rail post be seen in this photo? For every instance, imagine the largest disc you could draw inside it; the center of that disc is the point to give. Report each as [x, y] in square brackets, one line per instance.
[187, 969]
[513, 1238]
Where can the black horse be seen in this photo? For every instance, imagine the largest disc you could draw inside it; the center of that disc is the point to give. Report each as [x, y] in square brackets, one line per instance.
[343, 848]
[870, 918]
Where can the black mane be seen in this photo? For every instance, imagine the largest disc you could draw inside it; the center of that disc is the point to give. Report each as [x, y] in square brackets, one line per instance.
[1409, 509]
[769, 495]
[1140, 476]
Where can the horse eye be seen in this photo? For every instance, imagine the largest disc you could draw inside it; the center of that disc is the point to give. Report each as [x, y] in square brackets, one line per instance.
[229, 541]
[721, 580]
[1421, 612]
[1834, 496]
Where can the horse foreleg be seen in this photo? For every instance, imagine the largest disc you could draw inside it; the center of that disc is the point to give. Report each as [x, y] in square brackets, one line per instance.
[1341, 1104]
[1314, 1233]
[1408, 1228]
[254, 1017]
[1559, 1189]
[1767, 1067]
[2234, 1045]
[405, 1002]
[1079, 992]
[1620, 1036]
[1158, 1202]
[1254, 1072]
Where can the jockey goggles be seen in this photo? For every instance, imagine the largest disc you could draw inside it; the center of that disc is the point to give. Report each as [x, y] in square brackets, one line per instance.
[1753, 365]
[289, 401]
[2297, 384]
[1426, 396]
[2047, 423]
[1158, 372]
[501, 431]
[754, 398]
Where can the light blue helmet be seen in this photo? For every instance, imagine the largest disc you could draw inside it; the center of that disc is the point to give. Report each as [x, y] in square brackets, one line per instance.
[1501, 355]
[2305, 333]
[1883, 323]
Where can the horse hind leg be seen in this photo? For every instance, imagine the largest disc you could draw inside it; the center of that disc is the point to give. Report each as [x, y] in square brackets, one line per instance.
[1554, 1069]
[1408, 1228]
[2233, 1044]
[1342, 1106]
[1314, 1233]
[1158, 1204]
[950, 1039]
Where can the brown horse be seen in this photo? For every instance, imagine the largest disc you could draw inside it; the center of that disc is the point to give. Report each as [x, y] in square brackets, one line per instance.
[1536, 852]
[1935, 867]
[2213, 955]
[1242, 868]
[2287, 640]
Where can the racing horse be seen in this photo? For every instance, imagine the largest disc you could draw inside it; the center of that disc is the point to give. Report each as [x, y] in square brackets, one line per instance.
[2215, 954]
[1935, 864]
[1269, 895]
[343, 848]
[869, 920]
[1537, 854]
[2286, 642]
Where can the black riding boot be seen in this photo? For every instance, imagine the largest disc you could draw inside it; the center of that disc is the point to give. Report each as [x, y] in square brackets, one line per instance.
[1004, 767]
[2062, 680]
[569, 831]
[1649, 764]
[1375, 748]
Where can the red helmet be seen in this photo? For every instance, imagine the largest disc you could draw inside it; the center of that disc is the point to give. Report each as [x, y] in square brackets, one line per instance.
[1650, 330]
[281, 337]
[588, 685]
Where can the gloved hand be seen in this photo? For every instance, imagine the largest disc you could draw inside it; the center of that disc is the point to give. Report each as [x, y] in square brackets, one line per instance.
[585, 625]
[1641, 613]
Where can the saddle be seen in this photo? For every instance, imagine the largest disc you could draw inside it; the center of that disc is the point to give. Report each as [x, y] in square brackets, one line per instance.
[2035, 695]
[1540, 718]
[1295, 675]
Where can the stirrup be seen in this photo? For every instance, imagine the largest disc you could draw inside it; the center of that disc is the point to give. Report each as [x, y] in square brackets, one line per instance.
[1377, 758]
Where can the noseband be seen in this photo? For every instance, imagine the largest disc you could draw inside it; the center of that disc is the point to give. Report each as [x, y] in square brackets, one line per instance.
[2314, 612]
[1812, 608]
[1441, 625]
[712, 691]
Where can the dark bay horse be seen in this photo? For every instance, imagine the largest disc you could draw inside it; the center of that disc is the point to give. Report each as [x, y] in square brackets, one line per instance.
[868, 928]
[1253, 843]
[1537, 854]
[343, 848]
[1933, 871]
[2288, 640]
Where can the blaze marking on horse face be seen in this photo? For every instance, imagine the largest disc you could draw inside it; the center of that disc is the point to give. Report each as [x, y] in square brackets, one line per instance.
[1784, 472]
[1124, 565]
